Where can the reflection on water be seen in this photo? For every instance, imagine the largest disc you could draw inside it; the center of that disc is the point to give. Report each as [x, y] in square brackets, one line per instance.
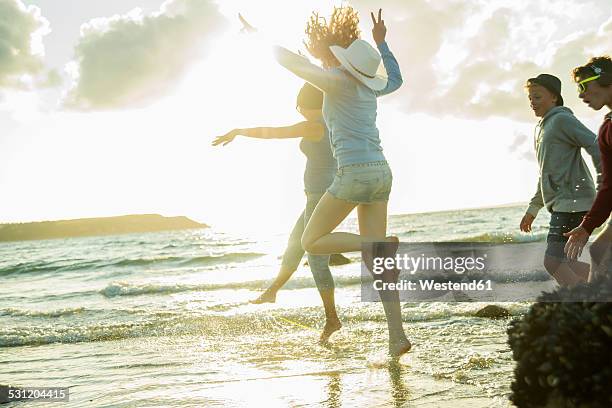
[164, 319]
[398, 388]
[334, 391]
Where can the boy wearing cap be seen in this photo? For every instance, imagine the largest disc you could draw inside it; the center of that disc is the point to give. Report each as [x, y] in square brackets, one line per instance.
[595, 89]
[565, 185]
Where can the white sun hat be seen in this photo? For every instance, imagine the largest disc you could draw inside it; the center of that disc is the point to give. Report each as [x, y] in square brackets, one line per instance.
[362, 61]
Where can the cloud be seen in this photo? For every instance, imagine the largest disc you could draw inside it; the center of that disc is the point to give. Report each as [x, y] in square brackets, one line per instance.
[131, 59]
[21, 49]
[522, 147]
[52, 79]
[471, 59]
[529, 156]
[519, 140]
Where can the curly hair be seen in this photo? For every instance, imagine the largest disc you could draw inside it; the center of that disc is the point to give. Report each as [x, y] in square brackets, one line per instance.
[563, 348]
[341, 30]
[604, 63]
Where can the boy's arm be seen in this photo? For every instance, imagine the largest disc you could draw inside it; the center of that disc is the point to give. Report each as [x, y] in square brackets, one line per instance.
[536, 203]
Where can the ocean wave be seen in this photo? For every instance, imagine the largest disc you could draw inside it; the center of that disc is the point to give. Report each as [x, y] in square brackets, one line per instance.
[29, 267]
[208, 243]
[130, 289]
[44, 314]
[504, 238]
[62, 266]
[135, 289]
[49, 266]
[32, 336]
[177, 325]
[189, 261]
[124, 288]
[209, 322]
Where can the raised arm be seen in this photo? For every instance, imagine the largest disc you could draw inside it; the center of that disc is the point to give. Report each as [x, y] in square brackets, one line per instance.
[379, 32]
[326, 81]
[310, 130]
[300, 66]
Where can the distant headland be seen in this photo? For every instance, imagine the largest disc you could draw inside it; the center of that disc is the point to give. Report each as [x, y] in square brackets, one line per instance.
[86, 227]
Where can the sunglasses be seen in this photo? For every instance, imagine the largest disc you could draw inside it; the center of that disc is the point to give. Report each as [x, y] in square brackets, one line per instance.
[581, 84]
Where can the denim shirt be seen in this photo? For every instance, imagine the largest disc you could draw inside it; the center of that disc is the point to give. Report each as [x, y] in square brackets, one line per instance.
[349, 107]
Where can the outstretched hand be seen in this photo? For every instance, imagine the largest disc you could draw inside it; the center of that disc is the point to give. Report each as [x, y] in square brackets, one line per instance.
[246, 27]
[379, 31]
[577, 239]
[225, 139]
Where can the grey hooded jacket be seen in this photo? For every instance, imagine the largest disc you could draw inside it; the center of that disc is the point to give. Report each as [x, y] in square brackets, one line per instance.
[565, 183]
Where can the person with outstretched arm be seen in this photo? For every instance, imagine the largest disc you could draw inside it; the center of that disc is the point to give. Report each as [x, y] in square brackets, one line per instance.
[318, 175]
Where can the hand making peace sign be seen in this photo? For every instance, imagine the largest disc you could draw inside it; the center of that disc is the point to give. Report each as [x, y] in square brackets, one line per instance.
[379, 30]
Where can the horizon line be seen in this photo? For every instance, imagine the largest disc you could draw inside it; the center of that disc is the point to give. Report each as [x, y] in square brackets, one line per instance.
[514, 204]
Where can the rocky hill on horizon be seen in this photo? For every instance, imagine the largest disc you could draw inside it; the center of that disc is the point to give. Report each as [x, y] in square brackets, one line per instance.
[86, 227]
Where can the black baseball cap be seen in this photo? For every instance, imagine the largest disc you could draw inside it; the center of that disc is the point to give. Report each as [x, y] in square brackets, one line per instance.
[550, 82]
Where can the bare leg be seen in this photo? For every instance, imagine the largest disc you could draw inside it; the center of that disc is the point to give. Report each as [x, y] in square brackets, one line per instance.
[269, 295]
[319, 266]
[373, 223]
[318, 237]
[332, 322]
[291, 261]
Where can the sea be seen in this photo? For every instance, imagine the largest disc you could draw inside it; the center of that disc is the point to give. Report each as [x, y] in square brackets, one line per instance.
[164, 320]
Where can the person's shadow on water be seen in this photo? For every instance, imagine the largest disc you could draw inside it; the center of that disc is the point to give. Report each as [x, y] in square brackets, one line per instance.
[399, 392]
[334, 391]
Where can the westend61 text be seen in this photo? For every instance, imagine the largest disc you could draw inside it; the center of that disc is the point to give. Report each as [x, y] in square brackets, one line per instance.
[429, 263]
[429, 285]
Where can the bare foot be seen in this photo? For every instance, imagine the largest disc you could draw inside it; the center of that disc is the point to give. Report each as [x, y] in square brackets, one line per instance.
[268, 296]
[397, 348]
[331, 325]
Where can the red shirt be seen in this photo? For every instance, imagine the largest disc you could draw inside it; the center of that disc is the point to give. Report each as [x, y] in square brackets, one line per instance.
[600, 211]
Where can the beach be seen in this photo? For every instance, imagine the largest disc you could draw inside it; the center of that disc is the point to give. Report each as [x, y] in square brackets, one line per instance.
[163, 319]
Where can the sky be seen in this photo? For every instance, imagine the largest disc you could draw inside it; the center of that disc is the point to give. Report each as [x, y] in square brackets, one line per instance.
[109, 108]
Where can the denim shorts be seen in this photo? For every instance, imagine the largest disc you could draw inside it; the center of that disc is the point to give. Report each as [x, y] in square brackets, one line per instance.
[560, 223]
[363, 183]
